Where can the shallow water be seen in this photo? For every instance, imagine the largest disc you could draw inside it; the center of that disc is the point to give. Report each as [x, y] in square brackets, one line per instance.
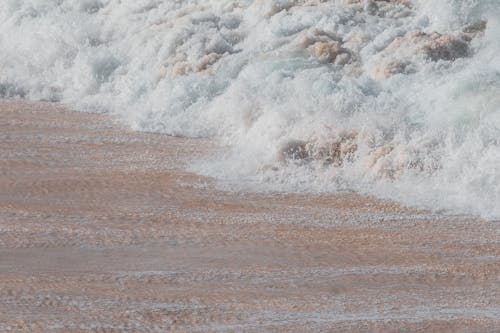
[102, 229]
[395, 98]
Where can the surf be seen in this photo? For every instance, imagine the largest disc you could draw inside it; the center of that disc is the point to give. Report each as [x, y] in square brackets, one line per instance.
[399, 99]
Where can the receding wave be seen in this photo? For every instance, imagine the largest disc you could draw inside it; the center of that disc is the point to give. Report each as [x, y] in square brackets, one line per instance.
[397, 98]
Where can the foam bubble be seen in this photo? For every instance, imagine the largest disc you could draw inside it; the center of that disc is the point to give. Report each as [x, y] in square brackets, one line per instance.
[394, 98]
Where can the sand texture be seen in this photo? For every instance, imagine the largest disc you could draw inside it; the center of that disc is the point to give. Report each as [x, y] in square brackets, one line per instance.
[102, 230]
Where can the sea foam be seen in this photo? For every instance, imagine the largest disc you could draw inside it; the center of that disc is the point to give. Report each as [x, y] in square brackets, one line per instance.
[399, 99]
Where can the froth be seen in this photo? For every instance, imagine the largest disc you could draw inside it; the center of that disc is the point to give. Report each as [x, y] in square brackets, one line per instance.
[394, 98]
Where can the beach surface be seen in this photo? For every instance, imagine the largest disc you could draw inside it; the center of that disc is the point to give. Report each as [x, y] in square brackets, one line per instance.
[103, 230]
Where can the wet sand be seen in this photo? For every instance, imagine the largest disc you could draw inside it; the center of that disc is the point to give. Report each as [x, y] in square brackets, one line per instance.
[102, 230]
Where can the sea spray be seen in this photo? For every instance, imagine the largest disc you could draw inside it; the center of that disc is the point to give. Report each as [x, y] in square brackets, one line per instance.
[399, 99]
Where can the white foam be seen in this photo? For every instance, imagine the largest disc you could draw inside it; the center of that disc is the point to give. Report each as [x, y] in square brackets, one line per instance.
[260, 74]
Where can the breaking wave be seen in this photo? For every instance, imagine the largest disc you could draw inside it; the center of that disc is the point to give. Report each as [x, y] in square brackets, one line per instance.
[397, 98]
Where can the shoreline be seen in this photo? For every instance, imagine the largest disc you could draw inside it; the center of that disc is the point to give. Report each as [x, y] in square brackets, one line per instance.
[102, 229]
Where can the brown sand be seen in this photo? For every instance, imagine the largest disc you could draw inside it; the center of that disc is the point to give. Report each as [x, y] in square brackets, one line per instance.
[101, 230]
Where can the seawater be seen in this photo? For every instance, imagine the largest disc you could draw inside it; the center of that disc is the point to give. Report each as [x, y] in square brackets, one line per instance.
[399, 99]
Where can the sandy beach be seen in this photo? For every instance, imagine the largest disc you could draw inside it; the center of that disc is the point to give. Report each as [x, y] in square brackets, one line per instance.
[103, 230]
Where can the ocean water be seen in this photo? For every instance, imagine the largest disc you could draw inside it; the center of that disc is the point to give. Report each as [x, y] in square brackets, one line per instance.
[399, 99]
